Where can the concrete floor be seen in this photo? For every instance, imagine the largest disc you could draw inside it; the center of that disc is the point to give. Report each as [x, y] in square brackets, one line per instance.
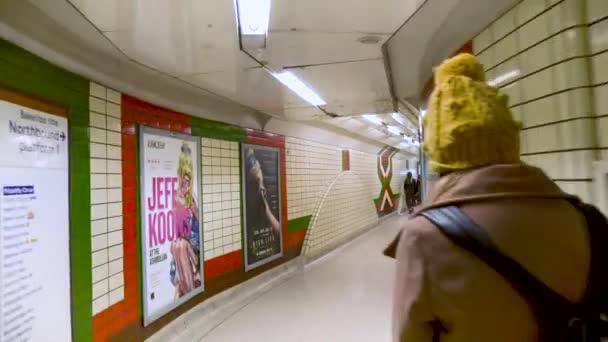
[346, 296]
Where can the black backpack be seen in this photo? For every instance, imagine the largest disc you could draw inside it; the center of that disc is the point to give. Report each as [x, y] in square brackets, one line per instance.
[558, 319]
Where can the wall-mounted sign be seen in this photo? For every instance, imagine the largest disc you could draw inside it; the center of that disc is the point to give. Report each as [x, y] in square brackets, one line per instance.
[171, 220]
[262, 205]
[34, 226]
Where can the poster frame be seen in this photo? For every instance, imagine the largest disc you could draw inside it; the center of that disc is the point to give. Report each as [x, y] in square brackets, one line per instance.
[249, 267]
[32, 102]
[143, 130]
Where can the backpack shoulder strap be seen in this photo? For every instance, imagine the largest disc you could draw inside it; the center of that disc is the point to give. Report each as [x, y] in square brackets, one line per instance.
[462, 231]
[597, 227]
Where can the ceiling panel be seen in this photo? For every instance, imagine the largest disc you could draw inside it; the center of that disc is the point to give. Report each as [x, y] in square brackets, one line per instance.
[253, 87]
[300, 48]
[350, 88]
[318, 40]
[307, 113]
[362, 16]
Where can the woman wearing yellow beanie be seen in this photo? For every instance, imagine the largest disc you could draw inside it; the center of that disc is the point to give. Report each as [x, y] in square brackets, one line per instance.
[444, 293]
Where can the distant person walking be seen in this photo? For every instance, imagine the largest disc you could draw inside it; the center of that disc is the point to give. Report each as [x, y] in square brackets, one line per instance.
[409, 188]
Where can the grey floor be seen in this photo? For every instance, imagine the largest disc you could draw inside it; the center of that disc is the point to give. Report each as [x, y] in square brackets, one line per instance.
[345, 296]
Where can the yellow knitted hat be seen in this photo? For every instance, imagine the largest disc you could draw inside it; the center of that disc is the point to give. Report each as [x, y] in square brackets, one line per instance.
[468, 123]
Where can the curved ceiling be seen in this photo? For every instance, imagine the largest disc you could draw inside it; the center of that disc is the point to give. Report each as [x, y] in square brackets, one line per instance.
[433, 33]
[198, 42]
[333, 46]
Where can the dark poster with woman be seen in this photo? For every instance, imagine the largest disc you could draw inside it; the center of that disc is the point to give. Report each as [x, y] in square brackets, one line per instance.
[262, 205]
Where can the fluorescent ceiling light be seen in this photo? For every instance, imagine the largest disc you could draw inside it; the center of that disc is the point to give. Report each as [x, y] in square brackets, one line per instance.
[254, 16]
[504, 78]
[394, 130]
[373, 118]
[296, 85]
[397, 117]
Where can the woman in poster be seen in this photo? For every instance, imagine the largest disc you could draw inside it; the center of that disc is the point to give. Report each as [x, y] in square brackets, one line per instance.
[257, 176]
[185, 267]
[263, 226]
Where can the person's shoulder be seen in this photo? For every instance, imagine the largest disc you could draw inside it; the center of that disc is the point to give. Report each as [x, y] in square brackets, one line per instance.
[418, 230]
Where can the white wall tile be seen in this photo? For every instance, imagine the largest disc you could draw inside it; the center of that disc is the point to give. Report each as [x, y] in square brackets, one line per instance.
[99, 242]
[113, 110]
[100, 304]
[99, 257]
[596, 9]
[115, 252]
[115, 266]
[97, 105]
[114, 96]
[116, 295]
[99, 227]
[97, 90]
[116, 281]
[100, 272]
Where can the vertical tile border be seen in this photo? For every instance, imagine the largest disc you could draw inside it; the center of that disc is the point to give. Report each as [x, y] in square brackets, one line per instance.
[106, 197]
[345, 160]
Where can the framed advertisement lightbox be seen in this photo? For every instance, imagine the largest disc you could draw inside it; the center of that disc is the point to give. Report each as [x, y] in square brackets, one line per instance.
[263, 237]
[171, 229]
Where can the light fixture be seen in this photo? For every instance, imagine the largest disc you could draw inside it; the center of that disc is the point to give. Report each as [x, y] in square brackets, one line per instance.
[296, 85]
[397, 117]
[373, 118]
[422, 113]
[393, 130]
[254, 16]
[504, 78]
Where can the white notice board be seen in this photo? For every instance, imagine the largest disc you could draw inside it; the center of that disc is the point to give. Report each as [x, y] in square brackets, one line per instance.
[34, 226]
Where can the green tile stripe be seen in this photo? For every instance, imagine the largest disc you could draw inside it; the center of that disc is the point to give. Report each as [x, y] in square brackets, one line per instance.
[217, 130]
[31, 75]
[298, 224]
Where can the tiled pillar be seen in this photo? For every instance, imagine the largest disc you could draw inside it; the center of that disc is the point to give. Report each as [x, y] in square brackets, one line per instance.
[106, 197]
[221, 197]
[597, 17]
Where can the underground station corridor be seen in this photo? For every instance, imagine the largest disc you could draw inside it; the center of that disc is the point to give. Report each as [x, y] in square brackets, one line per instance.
[274, 170]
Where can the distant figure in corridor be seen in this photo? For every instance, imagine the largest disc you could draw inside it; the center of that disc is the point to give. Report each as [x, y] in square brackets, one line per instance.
[443, 292]
[409, 188]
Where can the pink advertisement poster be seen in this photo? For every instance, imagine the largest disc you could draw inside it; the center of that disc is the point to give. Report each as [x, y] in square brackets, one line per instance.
[171, 224]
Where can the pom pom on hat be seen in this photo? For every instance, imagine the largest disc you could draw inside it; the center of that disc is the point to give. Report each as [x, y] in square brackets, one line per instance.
[462, 65]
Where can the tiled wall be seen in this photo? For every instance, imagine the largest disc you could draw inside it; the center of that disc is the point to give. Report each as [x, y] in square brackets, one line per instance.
[311, 167]
[366, 166]
[547, 56]
[106, 197]
[221, 197]
[597, 16]
[345, 210]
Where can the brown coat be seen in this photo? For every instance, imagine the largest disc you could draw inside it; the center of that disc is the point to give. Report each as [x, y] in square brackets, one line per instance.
[439, 284]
